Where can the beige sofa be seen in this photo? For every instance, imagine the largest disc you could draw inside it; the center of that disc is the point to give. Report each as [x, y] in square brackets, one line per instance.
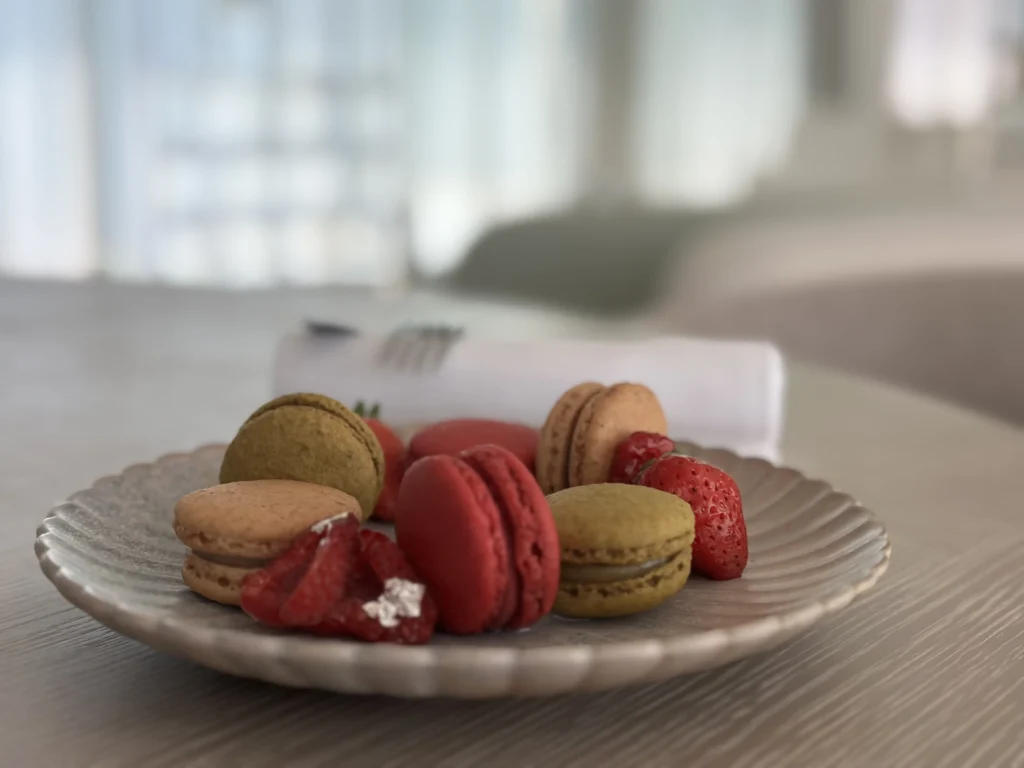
[923, 291]
[931, 299]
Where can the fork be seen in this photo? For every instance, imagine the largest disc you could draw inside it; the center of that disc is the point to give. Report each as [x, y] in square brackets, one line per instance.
[418, 348]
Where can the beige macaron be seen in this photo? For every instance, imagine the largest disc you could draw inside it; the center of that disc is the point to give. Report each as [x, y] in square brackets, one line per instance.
[582, 430]
[236, 528]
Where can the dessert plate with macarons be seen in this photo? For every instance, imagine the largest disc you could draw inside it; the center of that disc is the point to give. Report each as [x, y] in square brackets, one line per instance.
[323, 547]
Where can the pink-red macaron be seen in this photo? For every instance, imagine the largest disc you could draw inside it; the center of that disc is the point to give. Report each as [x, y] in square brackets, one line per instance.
[453, 436]
[478, 530]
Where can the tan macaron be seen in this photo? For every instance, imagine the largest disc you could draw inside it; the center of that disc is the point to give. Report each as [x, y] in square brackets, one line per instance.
[585, 425]
[236, 528]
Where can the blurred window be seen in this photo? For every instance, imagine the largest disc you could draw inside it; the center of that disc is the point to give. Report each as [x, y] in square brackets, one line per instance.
[252, 142]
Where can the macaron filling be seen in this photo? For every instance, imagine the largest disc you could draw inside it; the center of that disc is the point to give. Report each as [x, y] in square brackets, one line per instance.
[233, 561]
[596, 573]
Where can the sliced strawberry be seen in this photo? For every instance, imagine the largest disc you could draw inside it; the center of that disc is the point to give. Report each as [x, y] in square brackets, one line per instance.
[265, 591]
[384, 600]
[339, 580]
[322, 585]
[297, 587]
[720, 541]
[635, 451]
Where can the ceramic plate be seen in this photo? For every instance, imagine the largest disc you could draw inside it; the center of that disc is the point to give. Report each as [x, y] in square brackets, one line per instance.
[111, 552]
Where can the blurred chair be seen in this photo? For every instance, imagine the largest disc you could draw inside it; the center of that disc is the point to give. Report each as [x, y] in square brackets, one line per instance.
[928, 299]
[613, 261]
[589, 261]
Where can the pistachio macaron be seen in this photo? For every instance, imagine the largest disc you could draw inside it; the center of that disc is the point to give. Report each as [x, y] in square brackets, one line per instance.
[580, 433]
[310, 438]
[236, 528]
[624, 548]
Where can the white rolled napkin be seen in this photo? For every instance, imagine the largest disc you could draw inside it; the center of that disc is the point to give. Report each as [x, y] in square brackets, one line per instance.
[726, 394]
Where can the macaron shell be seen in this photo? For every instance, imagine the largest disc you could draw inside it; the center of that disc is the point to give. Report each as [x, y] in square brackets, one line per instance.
[530, 529]
[332, 407]
[307, 399]
[220, 583]
[256, 518]
[451, 530]
[615, 524]
[604, 422]
[618, 524]
[308, 444]
[452, 437]
[624, 598]
[553, 448]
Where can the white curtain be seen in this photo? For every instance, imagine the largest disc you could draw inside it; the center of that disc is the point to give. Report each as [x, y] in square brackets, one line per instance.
[944, 61]
[47, 186]
[720, 89]
[250, 143]
[267, 141]
[499, 93]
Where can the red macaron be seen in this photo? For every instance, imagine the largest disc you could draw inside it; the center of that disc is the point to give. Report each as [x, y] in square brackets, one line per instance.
[452, 437]
[479, 532]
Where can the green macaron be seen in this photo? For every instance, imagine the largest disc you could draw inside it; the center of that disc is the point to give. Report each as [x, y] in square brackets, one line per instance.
[624, 548]
[310, 438]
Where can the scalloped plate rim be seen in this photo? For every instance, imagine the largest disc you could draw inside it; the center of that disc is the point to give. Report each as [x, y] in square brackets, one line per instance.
[692, 651]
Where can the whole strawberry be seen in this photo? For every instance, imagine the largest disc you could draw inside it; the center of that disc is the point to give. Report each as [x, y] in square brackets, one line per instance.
[720, 540]
[394, 460]
[635, 451]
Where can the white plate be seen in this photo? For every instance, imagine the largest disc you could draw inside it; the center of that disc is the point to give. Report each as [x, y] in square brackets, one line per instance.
[110, 551]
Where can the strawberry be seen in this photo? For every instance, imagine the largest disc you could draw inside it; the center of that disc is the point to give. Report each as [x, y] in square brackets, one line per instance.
[381, 575]
[300, 586]
[340, 580]
[635, 451]
[394, 460]
[720, 541]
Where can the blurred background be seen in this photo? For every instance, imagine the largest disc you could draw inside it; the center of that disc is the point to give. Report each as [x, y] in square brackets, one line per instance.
[843, 177]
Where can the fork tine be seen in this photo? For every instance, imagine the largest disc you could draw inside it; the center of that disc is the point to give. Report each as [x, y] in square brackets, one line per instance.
[448, 337]
[438, 347]
[420, 356]
[387, 350]
[417, 349]
[455, 333]
[394, 348]
[407, 359]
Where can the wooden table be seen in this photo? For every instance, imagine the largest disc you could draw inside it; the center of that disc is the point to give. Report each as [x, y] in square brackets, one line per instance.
[926, 670]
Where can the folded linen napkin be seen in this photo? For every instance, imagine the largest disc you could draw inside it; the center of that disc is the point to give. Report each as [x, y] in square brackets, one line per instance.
[725, 394]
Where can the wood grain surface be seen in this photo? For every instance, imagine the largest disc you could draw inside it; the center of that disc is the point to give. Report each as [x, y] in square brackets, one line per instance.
[926, 670]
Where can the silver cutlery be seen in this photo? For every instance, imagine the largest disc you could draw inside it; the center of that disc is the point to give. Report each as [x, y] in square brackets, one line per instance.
[418, 348]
